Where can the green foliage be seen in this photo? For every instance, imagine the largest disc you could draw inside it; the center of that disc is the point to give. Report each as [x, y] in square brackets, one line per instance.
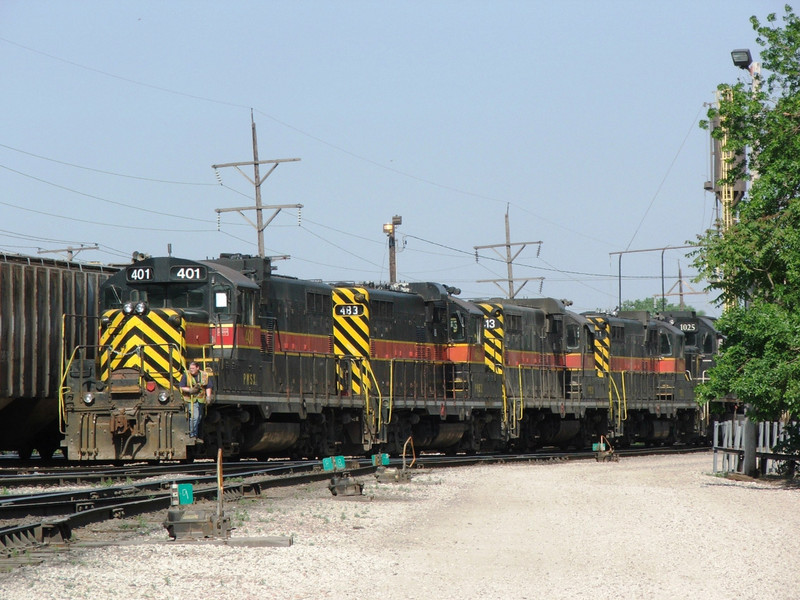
[760, 362]
[791, 443]
[653, 305]
[754, 266]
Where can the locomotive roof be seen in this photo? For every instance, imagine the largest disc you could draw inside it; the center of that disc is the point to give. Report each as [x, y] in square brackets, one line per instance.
[549, 305]
[232, 275]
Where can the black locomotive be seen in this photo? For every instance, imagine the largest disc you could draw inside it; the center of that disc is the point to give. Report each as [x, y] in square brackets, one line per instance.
[306, 368]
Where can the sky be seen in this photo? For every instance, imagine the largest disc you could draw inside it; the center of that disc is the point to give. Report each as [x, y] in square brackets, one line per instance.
[577, 119]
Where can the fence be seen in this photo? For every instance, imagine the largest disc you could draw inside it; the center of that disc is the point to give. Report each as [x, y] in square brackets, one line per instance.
[729, 446]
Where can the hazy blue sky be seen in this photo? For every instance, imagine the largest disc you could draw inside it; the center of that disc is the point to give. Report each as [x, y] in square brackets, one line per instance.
[580, 117]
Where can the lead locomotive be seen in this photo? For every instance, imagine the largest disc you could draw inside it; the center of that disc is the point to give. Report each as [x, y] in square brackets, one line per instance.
[305, 368]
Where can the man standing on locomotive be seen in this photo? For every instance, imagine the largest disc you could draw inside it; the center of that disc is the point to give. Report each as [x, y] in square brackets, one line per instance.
[196, 389]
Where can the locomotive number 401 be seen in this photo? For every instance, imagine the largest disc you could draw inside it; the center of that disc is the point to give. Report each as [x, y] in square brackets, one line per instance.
[188, 273]
[139, 273]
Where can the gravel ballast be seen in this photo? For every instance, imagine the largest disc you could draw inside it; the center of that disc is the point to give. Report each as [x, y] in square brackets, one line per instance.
[654, 527]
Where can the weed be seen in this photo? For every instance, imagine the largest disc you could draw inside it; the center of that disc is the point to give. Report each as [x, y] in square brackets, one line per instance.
[240, 517]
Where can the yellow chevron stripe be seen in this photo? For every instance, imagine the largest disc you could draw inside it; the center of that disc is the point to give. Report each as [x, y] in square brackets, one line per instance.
[351, 337]
[602, 346]
[144, 342]
[493, 336]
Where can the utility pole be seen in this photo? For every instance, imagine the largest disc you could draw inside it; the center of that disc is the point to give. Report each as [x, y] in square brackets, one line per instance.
[70, 250]
[509, 260]
[619, 268]
[257, 180]
[390, 229]
[680, 293]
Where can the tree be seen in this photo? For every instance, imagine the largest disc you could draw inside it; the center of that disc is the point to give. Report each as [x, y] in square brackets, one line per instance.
[654, 305]
[759, 255]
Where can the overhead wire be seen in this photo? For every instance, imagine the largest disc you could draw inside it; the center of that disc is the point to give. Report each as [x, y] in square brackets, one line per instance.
[125, 79]
[664, 179]
[77, 220]
[93, 197]
[302, 132]
[68, 164]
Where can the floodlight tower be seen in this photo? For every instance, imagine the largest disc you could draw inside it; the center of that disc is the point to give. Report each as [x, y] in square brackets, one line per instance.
[389, 229]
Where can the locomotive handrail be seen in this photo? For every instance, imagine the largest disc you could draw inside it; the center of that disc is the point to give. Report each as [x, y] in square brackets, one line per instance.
[622, 413]
[624, 398]
[62, 388]
[64, 364]
[505, 399]
[380, 396]
[204, 359]
[391, 390]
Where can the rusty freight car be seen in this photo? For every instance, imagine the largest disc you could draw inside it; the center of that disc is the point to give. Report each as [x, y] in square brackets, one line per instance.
[40, 300]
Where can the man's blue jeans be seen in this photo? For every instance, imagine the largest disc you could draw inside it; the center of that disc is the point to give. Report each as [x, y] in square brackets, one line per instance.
[196, 410]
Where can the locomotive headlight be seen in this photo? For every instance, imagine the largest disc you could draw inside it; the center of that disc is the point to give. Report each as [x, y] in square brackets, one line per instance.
[88, 398]
[163, 397]
[127, 308]
[140, 308]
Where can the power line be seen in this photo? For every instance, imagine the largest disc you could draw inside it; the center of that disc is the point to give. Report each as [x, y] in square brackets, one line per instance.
[93, 197]
[125, 79]
[306, 134]
[61, 162]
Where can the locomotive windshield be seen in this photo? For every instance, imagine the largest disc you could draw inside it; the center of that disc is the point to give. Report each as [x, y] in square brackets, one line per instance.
[156, 296]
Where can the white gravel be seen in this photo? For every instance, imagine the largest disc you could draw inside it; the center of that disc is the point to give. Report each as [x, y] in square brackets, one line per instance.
[657, 527]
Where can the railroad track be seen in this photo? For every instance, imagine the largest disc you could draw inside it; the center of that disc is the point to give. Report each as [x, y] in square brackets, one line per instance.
[53, 516]
[108, 474]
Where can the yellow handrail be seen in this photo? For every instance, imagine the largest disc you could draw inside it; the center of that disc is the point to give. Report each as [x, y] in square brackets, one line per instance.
[622, 400]
[391, 391]
[380, 396]
[62, 412]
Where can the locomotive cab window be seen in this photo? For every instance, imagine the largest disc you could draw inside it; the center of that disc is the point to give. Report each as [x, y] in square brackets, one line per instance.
[457, 327]
[157, 296]
[114, 297]
[181, 297]
[222, 299]
[247, 307]
[573, 336]
[708, 343]
[665, 344]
